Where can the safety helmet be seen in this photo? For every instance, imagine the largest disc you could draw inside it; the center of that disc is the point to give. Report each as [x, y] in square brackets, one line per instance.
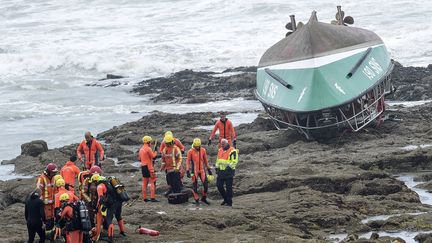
[56, 177]
[168, 138]
[147, 139]
[95, 178]
[51, 168]
[196, 142]
[95, 169]
[169, 133]
[60, 182]
[64, 197]
[210, 178]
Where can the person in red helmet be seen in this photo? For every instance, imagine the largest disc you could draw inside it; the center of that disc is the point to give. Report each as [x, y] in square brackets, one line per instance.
[92, 150]
[88, 192]
[83, 181]
[69, 172]
[226, 131]
[197, 162]
[46, 184]
[95, 169]
[147, 156]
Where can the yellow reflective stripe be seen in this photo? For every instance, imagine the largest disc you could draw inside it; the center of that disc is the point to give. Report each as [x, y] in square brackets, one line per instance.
[46, 201]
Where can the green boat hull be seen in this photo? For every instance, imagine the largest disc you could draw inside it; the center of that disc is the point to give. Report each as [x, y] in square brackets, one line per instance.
[319, 87]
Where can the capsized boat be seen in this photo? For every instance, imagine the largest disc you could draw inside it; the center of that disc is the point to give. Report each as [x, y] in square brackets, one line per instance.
[325, 77]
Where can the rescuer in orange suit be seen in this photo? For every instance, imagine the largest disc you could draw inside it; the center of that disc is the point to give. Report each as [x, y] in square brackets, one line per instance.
[60, 185]
[72, 231]
[91, 148]
[226, 131]
[176, 142]
[197, 162]
[147, 156]
[46, 184]
[171, 164]
[108, 207]
[69, 172]
[88, 192]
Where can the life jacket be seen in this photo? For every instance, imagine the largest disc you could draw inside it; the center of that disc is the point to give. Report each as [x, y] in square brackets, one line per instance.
[227, 158]
[83, 181]
[47, 187]
[172, 158]
[80, 219]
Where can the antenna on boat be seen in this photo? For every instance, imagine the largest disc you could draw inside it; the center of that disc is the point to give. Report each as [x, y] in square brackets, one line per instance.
[293, 22]
[340, 19]
[340, 15]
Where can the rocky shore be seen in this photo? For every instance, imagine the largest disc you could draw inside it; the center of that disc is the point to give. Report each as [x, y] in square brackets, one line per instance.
[286, 189]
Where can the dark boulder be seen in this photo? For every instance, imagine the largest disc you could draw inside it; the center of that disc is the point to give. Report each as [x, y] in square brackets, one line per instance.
[34, 148]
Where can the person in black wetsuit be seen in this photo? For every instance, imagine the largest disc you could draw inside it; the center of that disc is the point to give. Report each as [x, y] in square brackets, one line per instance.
[35, 216]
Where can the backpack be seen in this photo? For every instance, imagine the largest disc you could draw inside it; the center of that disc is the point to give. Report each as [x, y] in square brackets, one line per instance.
[80, 219]
[119, 189]
[115, 191]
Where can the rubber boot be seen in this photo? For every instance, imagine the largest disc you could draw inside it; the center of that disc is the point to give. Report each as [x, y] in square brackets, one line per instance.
[204, 200]
[154, 200]
[122, 227]
[111, 233]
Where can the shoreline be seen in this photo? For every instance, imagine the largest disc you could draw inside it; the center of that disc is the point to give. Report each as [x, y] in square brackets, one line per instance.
[285, 185]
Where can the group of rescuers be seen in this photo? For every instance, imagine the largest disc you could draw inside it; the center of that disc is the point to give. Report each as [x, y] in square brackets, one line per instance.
[49, 208]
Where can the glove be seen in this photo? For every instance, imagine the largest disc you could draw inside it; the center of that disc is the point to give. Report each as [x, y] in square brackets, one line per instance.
[235, 143]
[188, 174]
[103, 211]
[209, 142]
[183, 152]
[209, 171]
[152, 175]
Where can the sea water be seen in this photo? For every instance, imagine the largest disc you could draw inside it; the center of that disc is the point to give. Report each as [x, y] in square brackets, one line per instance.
[49, 51]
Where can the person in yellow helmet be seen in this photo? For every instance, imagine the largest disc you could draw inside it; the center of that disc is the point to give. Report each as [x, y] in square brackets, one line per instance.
[61, 185]
[171, 164]
[176, 142]
[147, 156]
[108, 206]
[67, 217]
[197, 162]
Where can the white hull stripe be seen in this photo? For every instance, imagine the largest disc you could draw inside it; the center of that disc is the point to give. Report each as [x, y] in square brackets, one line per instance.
[318, 61]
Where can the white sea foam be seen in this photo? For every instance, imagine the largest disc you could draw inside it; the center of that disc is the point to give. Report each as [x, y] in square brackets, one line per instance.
[414, 147]
[407, 103]
[50, 49]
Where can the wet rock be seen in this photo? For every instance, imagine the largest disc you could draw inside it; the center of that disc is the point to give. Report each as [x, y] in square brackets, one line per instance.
[412, 83]
[376, 187]
[29, 165]
[112, 76]
[374, 236]
[206, 86]
[116, 150]
[15, 191]
[34, 148]
[351, 238]
[424, 238]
